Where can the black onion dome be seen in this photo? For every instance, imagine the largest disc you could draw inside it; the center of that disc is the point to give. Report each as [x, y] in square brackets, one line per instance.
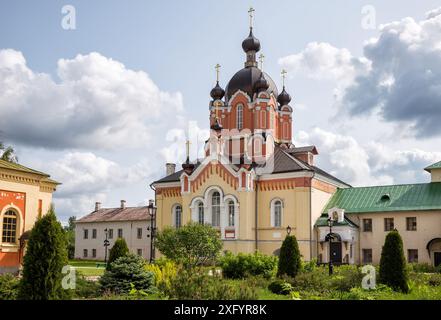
[245, 80]
[284, 98]
[251, 43]
[261, 84]
[217, 92]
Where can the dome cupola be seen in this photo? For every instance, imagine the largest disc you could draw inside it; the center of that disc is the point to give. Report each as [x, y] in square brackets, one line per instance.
[261, 84]
[284, 98]
[217, 92]
[251, 43]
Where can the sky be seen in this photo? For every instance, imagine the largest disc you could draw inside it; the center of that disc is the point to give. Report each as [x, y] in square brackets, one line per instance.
[103, 103]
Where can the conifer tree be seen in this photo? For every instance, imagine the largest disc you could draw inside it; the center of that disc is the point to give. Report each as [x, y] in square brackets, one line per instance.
[118, 250]
[393, 263]
[289, 258]
[46, 255]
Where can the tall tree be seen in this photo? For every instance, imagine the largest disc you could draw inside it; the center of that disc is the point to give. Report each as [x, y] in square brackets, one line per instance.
[45, 257]
[393, 263]
[70, 237]
[289, 258]
[7, 153]
[118, 250]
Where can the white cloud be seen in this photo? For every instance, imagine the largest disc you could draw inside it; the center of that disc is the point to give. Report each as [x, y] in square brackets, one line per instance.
[369, 164]
[96, 103]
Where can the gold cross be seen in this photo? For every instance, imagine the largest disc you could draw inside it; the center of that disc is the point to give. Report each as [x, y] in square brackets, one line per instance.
[261, 58]
[283, 73]
[187, 144]
[217, 67]
[250, 12]
[217, 104]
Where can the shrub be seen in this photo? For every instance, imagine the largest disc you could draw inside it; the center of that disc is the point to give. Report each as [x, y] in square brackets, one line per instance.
[289, 258]
[280, 287]
[9, 285]
[85, 288]
[346, 277]
[243, 265]
[196, 284]
[45, 257]
[192, 245]
[127, 271]
[118, 250]
[393, 272]
[163, 272]
[421, 267]
[315, 281]
[309, 266]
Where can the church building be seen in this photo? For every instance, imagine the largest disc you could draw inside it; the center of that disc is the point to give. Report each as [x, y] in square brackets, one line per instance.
[255, 186]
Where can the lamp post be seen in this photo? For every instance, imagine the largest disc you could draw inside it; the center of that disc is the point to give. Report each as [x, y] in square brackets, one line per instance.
[152, 213]
[330, 223]
[288, 230]
[106, 244]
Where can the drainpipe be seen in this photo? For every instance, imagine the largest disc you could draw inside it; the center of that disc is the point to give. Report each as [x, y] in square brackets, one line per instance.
[310, 219]
[256, 213]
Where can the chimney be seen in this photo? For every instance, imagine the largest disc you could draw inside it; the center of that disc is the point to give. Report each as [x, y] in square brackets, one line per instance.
[123, 204]
[97, 206]
[170, 168]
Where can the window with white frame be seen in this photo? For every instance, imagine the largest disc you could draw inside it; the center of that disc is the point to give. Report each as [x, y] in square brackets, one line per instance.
[231, 213]
[215, 209]
[201, 218]
[178, 216]
[9, 227]
[276, 213]
[239, 117]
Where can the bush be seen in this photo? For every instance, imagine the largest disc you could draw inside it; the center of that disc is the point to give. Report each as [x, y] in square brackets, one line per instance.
[164, 271]
[45, 257]
[196, 284]
[421, 267]
[118, 250]
[85, 288]
[243, 265]
[393, 272]
[127, 271]
[316, 281]
[346, 277]
[192, 245]
[9, 285]
[289, 258]
[280, 287]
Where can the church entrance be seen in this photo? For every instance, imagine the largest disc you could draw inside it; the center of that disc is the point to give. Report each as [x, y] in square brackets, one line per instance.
[336, 252]
[437, 258]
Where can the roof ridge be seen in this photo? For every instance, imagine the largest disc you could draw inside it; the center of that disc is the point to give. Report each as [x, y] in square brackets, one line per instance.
[299, 162]
[391, 185]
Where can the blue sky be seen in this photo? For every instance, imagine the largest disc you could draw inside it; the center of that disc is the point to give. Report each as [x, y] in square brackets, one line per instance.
[177, 44]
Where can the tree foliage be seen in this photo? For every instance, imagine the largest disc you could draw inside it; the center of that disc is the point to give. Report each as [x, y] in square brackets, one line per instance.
[70, 237]
[45, 257]
[7, 153]
[289, 258]
[393, 271]
[191, 245]
[118, 250]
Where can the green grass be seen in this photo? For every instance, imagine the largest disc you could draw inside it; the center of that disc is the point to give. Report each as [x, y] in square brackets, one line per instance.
[87, 267]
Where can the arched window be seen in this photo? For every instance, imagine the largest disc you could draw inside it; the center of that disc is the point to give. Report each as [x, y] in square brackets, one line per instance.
[9, 227]
[178, 216]
[239, 117]
[215, 209]
[231, 215]
[201, 219]
[276, 213]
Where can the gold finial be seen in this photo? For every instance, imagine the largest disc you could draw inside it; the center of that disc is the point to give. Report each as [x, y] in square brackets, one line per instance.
[217, 67]
[261, 58]
[283, 73]
[251, 14]
[187, 145]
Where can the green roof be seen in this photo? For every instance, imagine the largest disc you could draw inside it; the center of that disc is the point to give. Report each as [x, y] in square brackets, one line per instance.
[323, 222]
[406, 197]
[434, 166]
[18, 167]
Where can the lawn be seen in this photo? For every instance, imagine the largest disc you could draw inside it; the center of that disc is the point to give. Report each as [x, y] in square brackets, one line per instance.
[88, 267]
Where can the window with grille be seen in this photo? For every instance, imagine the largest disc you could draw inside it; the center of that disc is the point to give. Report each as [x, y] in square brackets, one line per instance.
[367, 225]
[201, 218]
[277, 220]
[85, 253]
[411, 223]
[139, 233]
[86, 234]
[120, 233]
[93, 233]
[110, 234]
[367, 255]
[388, 224]
[9, 227]
[94, 253]
[231, 214]
[139, 252]
[178, 216]
[412, 255]
[215, 209]
[239, 118]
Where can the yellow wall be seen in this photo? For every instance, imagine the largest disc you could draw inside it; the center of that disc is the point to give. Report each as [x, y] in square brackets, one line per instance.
[436, 175]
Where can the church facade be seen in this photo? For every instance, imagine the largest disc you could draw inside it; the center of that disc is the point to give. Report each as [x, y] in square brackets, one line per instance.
[255, 186]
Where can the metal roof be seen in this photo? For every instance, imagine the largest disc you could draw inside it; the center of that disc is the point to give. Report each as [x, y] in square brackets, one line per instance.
[117, 214]
[405, 197]
[323, 222]
[18, 167]
[433, 166]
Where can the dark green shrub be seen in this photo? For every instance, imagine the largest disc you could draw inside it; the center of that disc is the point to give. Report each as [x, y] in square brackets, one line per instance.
[315, 281]
[289, 258]
[196, 284]
[126, 271]
[346, 277]
[118, 250]
[9, 285]
[434, 280]
[421, 267]
[280, 287]
[243, 265]
[45, 257]
[393, 271]
[85, 288]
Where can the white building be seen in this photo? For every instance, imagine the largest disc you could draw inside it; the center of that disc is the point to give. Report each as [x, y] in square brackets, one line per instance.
[130, 223]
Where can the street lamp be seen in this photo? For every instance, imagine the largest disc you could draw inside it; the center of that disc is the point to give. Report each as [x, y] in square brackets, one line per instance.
[106, 244]
[288, 230]
[152, 213]
[330, 224]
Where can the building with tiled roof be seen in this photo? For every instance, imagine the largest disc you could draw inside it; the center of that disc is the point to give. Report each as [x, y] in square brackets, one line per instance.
[25, 195]
[130, 223]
